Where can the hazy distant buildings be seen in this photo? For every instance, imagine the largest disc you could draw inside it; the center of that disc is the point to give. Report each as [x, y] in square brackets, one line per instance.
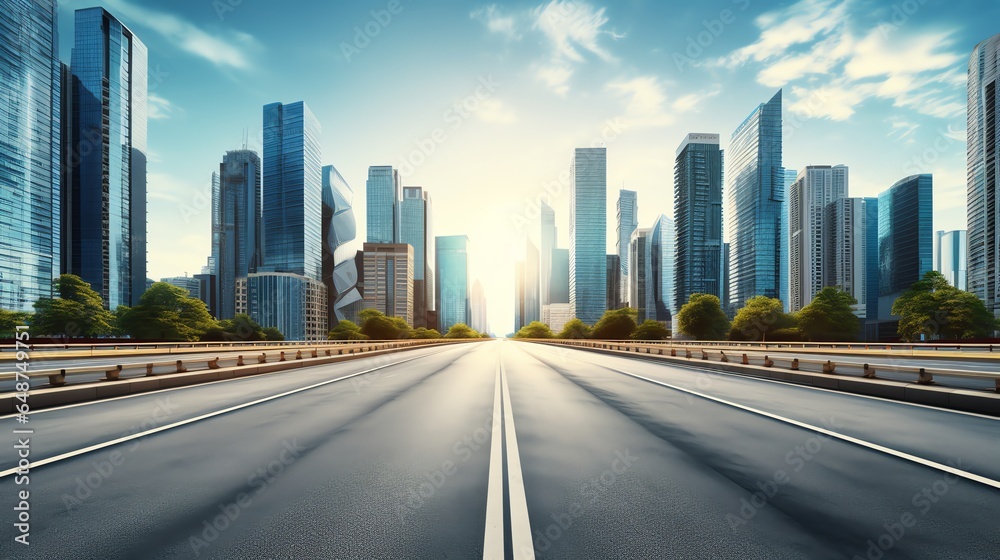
[104, 225]
[698, 213]
[236, 231]
[756, 207]
[627, 221]
[548, 237]
[189, 283]
[588, 224]
[983, 170]
[382, 195]
[661, 264]
[452, 281]
[340, 269]
[560, 276]
[479, 321]
[951, 256]
[389, 279]
[532, 298]
[814, 189]
[416, 230]
[556, 315]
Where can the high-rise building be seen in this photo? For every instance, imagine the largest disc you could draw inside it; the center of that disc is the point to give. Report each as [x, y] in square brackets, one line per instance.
[104, 230]
[30, 149]
[951, 256]
[294, 304]
[389, 279]
[532, 299]
[415, 230]
[661, 265]
[627, 221]
[547, 242]
[640, 273]
[756, 211]
[236, 228]
[382, 195]
[480, 321]
[614, 293]
[724, 299]
[560, 276]
[207, 285]
[189, 283]
[556, 315]
[588, 233]
[983, 197]
[519, 296]
[340, 269]
[905, 243]
[816, 187]
[452, 281]
[848, 248]
[698, 265]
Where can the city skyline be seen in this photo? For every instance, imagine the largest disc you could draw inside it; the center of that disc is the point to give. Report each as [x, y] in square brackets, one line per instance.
[639, 96]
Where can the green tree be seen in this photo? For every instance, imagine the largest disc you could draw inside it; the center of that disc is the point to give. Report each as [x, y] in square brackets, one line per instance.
[424, 333]
[534, 329]
[937, 310]
[615, 324]
[574, 329]
[760, 316]
[241, 328]
[829, 317]
[77, 311]
[346, 330]
[461, 330]
[273, 334]
[702, 318]
[378, 326]
[166, 312]
[650, 330]
[10, 320]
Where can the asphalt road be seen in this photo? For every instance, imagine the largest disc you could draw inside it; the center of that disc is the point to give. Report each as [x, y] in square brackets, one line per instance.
[445, 452]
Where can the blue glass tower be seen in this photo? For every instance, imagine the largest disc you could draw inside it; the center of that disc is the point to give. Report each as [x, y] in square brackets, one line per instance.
[415, 230]
[452, 281]
[236, 243]
[698, 211]
[627, 221]
[588, 234]
[106, 231]
[30, 76]
[547, 242]
[661, 253]
[560, 276]
[756, 212]
[382, 194]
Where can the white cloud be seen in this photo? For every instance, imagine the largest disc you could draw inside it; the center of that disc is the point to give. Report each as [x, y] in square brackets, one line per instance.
[648, 105]
[231, 51]
[555, 76]
[496, 22]
[158, 108]
[571, 27]
[494, 111]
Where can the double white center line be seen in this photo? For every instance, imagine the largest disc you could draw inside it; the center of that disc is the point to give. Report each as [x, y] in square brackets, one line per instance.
[520, 527]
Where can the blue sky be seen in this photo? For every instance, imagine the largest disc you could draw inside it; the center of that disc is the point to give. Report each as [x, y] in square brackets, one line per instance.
[482, 104]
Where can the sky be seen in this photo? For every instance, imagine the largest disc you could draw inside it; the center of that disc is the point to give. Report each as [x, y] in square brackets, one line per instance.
[482, 104]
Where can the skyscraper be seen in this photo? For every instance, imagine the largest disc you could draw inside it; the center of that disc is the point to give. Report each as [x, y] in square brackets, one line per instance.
[479, 319]
[661, 254]
[905, 243]
[983, 171]
[547, 242]
[698, 210]
[106, 231]
[588, 233]
[847, 236]
[951, 256]
[340, 269]
[389, 279]
[452, 281]
[236, 229]
[640, 274]
[560, 276]
[627, 221]
[756, 208]
[382, 194]
[415, 230]
[614, 293]
[29, 152]
[519, 321]
[532, 299]
[814, 189]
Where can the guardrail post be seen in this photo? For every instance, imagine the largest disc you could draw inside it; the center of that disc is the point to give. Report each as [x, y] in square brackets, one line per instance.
[112, 374]
[180, 367]
[704, 355]
[262, 358]
[58, 379]
[768, 362]
[673, 352]
[213, 364]
[795, 364]
[239, 360]
[687, 353]
[746, 360]
[724, 358]
[314, 353]
[328, 352]
[661, 351]
[829, 367]
[869, 372]
[281, 356]
[924, 377]
[298, 354]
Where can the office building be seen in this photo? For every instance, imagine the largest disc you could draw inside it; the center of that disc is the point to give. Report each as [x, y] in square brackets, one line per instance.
[382, 195]
[532, 299]
[236, 227]
[816, 187]
[662, 240]
[614, 293]
[340, 270]
[389, 279]
[519, 296]
[983, 168]
[640, 273]
[556, 315]
[296, 305]
[951, 256]
[188, 283]
[416, 230]
[452, 282]
[480, 321]
[104, 228]
[698, 267]
[627, 221]
[756, 211]
[207, 285]
[588, 225]
[560, 276]
[548, 237]
[849, 240]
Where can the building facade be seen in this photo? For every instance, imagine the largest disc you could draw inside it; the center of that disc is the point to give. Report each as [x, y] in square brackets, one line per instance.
[548, 238]
[556, 315]
[756, 211]
[519, 296]
[560, 276]
[816, 187]
[532, 293]
[189, 283]
[236, 231]
[452, 281]
[951, 256]
[415, 230]
[480, 320]
[848, 236]
[614, 293]
[30, 152]
[294, 304]
[382, 195]
[662, 252]
[588, 225]
[340, 270]
[389, 279]
[104, 228]
[698, 267]
[983, 171]
[627, 220]
[640, 273]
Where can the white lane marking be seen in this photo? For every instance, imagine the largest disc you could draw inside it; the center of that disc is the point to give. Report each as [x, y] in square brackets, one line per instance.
[520, 525]
[493, 542]
[206, 384]
[98, 446]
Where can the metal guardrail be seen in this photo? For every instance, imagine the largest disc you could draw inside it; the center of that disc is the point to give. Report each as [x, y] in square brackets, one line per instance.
[890, 346]
[925, 376]
[57, 377]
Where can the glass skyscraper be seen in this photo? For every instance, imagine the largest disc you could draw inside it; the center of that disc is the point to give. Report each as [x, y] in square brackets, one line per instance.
[627, 220]
[415, 230]
[560, 276]
[849, 227]
[452, 281]
[662, 253]
[613, 297]
[756, 211]
[698, 210]
[547, 241]
[340, 270]
[30, 82]
[532, 301]
[236, 237]
[105, 228]
[382, 194]
[588, 233]
[640, 274]
[983, 170]
[814, 189]
[951, 256]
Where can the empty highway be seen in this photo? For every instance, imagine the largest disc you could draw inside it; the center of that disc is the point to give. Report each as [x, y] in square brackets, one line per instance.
[504, 449]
